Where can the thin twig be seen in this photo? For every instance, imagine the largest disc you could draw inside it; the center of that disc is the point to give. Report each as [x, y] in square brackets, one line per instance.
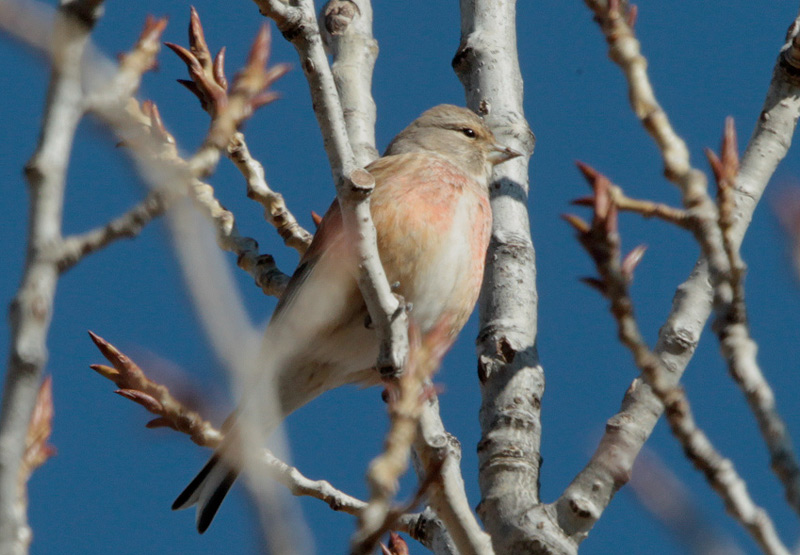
[611, 463]
[275, 210]
[126, 226]
[670, 502]
[601, 240]
[248, 92]
[210, 85]
[447, 496]
[405, 408]
[643, 207]
[624, 50]
[737, 344]
[156, 398]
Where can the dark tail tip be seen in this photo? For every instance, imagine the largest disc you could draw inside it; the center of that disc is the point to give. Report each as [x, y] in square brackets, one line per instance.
[184, 500]
[209, 510]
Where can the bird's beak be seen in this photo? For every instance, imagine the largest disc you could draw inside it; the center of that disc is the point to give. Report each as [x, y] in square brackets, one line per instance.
[499, 154]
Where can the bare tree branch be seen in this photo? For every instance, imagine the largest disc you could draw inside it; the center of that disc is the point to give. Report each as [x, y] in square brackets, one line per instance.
[447, 496]
[610, 465]
[210, 85]
[601, 239]
[126, 226]
[645, 208]
[31, 310]
[149, 139]
[346, 27]
[512, 381]
[227, 325]
[275, 209]
[733, 331]
[134, 385]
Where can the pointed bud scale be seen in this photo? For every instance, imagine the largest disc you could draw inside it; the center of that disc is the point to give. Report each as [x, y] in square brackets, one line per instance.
[37, 450]
[594, 283]
[185, 55]
[582, 201]
[128, 369]
[106, 348]
[192, 87]
[633, 14]
[263, 99]
[259, 52]
[159, 422]
[730, 149]
[147, 401]
[276, 72]
[588, 171]
[197, 40]
[152, 31]
[631, 261]
[580, 226]
[397, 545]
[219, 69]
[105, 371]
[715, 163]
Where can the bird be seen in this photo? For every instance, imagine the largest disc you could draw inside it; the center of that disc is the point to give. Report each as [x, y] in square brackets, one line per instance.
[432, 216]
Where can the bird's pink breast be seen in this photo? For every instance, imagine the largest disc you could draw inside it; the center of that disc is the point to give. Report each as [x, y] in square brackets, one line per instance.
[433, 225]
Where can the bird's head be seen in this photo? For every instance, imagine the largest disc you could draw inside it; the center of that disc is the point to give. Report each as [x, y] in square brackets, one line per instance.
[457, 134]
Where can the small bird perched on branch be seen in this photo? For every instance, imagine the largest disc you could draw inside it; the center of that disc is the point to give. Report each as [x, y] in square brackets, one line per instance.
[431, 211]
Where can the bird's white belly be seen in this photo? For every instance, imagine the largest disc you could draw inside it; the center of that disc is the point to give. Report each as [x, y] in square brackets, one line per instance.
[436, 283]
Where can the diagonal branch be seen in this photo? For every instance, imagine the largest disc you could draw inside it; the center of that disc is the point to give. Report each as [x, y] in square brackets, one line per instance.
[601, 239]
[147, 140]
[275, 208]
[210, 85]
[736, 343]
[134, 385]
[610, 466]
[126, 226]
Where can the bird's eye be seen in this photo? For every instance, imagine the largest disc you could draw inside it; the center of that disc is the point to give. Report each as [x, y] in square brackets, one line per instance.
[469, 132]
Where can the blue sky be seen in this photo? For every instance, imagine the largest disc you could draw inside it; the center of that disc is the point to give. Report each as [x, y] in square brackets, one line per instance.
[111, 484]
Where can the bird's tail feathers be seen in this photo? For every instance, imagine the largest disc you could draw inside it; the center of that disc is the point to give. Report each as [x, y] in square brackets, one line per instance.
[207, 490]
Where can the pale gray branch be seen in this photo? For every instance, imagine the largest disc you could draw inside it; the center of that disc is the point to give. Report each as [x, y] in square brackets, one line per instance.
[610, 466]
[275, 209]
[346, 27]
[31, 310]
[512, 381]
[127, 226]
[446, 495]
